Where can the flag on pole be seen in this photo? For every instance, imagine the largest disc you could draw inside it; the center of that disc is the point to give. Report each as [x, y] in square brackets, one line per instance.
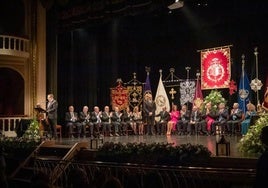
[265, 99]
[244, 88]
[147, 86]
[161, 98]
[198, 96]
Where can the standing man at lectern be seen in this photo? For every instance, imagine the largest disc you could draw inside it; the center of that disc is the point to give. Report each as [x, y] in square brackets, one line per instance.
[52, 108]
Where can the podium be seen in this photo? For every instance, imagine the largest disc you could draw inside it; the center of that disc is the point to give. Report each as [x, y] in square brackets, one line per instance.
[41, 118]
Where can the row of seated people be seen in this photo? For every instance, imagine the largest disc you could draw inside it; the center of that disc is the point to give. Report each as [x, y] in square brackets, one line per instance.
[100, 123]
[205, 122]
[182, 122]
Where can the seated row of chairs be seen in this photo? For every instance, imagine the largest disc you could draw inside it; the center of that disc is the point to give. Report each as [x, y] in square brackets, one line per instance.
[118, 123]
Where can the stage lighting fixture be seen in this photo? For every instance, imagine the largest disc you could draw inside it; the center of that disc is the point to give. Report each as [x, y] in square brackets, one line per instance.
[177, 4]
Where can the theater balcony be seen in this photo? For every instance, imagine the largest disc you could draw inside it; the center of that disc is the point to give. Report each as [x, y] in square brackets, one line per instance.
[14, 46]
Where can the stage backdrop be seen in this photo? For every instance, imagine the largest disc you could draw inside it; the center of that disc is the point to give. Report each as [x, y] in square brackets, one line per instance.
[215, 68]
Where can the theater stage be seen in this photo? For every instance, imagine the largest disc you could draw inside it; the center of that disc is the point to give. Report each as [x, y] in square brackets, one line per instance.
[208, 141]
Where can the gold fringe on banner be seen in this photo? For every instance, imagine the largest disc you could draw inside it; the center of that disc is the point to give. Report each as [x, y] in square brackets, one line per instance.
[215, 48]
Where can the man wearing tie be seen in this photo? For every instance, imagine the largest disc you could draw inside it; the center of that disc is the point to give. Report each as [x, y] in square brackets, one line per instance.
[235, 118]
[72, 121]
[52, 108]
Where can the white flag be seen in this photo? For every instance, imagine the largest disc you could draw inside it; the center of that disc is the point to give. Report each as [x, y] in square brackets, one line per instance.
[161, 98]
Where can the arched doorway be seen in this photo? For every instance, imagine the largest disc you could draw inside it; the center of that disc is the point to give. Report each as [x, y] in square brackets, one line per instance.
[11, 92]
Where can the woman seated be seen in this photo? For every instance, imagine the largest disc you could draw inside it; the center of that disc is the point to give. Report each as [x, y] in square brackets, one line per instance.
[210, 117]
[137, 118]
[251, 111]
[174, 116]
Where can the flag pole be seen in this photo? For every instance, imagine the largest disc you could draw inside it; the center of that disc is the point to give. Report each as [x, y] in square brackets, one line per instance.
[243, 76]
[257, 73]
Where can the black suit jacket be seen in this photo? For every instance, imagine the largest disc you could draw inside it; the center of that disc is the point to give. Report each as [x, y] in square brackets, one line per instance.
[164, 116]
[223, 116]
[149, 107]
[84, 118]
[52, 110]
[68, 117]
[198, 116]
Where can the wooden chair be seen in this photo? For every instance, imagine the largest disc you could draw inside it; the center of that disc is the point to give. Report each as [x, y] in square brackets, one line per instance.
[58, 128]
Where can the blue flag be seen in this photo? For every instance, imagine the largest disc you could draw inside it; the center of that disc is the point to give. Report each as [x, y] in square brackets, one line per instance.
[147, 86]
[244, 89]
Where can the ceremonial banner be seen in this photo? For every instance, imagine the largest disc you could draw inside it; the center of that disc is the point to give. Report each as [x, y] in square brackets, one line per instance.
[187, 91]
[135, 96]
[215, 68]
[198, 96]
[119, 97]
[244, 88]
[172, 86]
[161, 98]
[173, 92]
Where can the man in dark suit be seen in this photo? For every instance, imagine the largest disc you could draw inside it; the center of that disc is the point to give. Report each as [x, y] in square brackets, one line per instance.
[149, 112]
[72, 120]
[194, 124]
[184, 120]
[235, 118]
[106, 121]
[52, 113]
[116, 120]
[161, 125]
[96, 120]
[85, 120]
[222, 115]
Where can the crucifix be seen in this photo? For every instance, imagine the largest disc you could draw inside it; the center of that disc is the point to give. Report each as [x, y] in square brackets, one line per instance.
[172, 92]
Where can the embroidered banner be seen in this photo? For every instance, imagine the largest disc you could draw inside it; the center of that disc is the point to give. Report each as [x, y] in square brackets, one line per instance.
[119, 97]
[187, 91]
[135, 96]
[172, 86]
[215, 68]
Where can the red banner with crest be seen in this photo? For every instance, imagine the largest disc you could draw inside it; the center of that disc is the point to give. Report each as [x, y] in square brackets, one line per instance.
[215, 68]
[119, 97]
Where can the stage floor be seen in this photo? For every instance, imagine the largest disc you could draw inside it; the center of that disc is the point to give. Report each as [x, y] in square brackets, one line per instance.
[208, 141]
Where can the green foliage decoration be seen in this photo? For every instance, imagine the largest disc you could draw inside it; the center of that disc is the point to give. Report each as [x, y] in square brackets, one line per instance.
[32, 133]
[154, 153]
[215, 97]
[250, 143]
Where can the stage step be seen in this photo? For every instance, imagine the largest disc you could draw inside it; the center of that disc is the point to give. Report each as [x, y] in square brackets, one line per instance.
[46, 151]
[56, 150]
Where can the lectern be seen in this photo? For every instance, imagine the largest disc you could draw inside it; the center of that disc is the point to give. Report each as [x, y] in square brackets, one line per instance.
[41, 117]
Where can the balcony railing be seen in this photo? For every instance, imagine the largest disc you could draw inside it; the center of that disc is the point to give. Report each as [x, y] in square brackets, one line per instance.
[9, 125]
[144, 176]
[14, 46]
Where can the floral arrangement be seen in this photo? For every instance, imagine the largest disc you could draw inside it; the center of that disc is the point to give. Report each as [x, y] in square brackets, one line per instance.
[32, 132]
[155, 153]
[250, 143]
[215, 97]
[18, 147]
[22, 146]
